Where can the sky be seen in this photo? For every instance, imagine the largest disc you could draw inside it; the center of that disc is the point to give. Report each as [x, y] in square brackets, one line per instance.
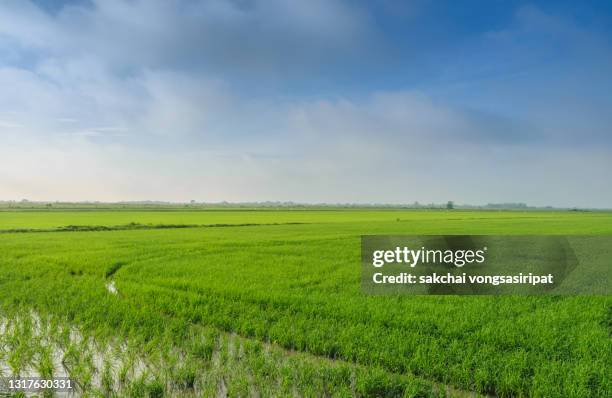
[334, 101]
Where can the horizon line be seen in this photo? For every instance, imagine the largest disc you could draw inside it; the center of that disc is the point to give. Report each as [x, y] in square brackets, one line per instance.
[289, 203]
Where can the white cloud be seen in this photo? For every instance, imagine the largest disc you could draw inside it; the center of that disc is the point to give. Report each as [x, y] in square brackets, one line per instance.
[221, 36]
[145, 110]
[390, 147]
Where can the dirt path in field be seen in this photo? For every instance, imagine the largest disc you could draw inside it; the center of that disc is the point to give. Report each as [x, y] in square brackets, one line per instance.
[136, 226]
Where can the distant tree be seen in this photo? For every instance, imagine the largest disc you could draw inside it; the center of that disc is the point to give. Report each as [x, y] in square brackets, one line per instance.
[450, 205]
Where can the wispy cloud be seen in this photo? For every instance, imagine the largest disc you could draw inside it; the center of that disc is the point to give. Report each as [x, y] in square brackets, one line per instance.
[5, 124]
[306, 101]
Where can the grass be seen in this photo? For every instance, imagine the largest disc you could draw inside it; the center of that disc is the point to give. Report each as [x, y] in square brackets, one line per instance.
[40, 219]
[276, 308]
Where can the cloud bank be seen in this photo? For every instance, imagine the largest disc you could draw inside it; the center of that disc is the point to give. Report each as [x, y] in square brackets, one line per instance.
[305, 101]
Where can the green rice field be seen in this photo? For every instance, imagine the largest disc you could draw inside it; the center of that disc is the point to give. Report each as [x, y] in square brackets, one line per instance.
[241, 303]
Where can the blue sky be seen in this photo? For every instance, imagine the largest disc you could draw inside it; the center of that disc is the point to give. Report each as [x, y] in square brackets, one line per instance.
[318, 101]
